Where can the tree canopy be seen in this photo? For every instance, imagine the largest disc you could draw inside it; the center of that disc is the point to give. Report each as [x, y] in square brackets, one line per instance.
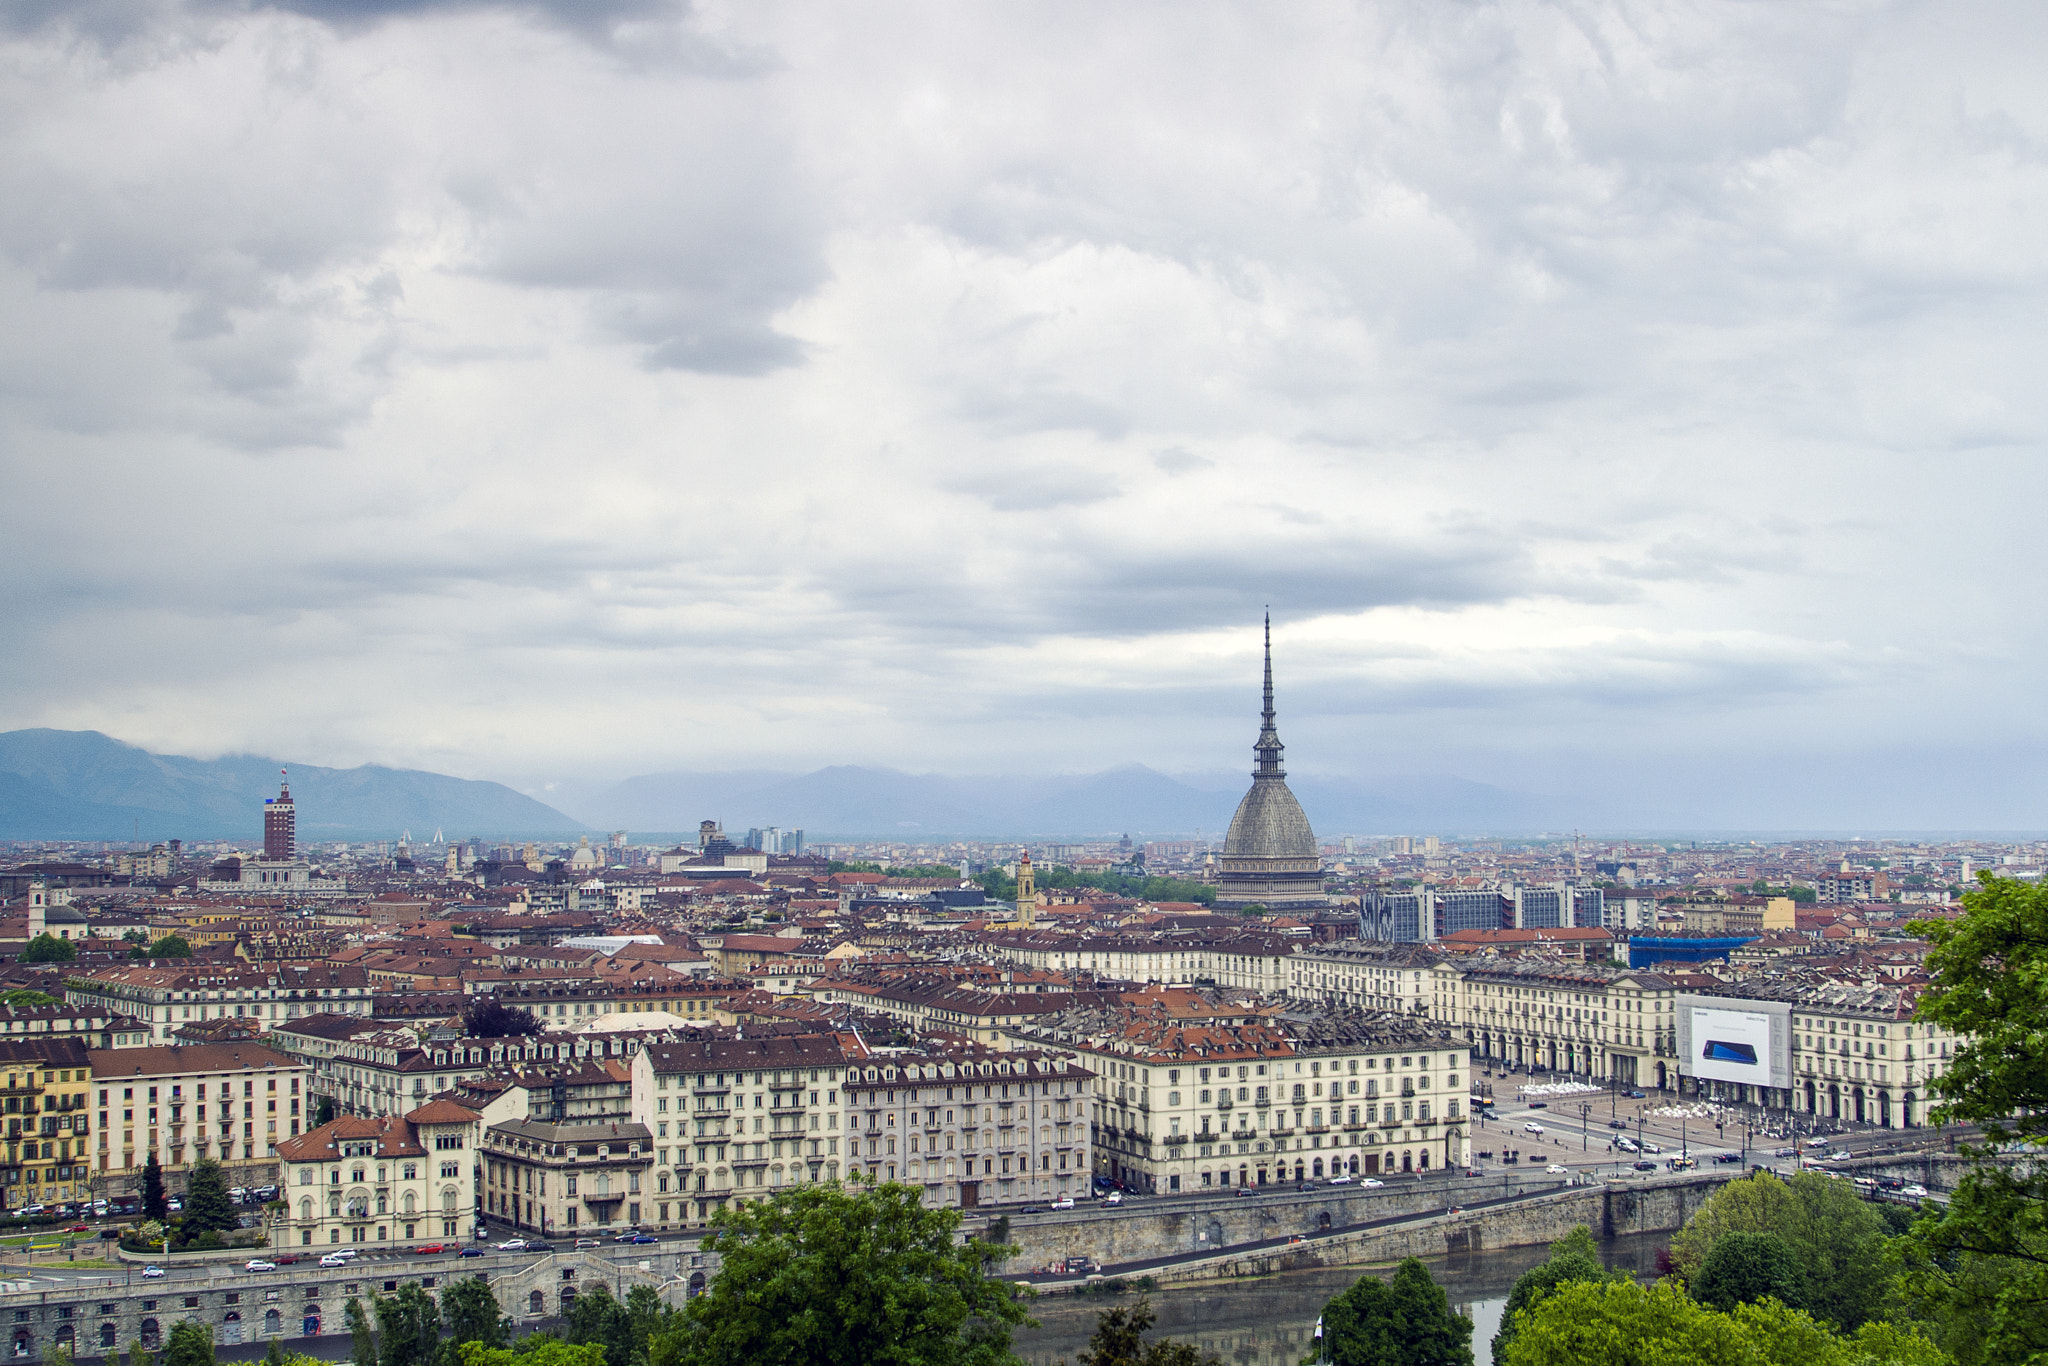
[1744, 1268]
[27, 999]
[170, 946]
[472, 1313]
[190, 1344]
[1574, 1257]
[818, 1276]
[1118, 1340]
[1620, 1323]
[155, 1204]
[1836, 1238]
[486, 1017]
[1407, 1321]
[48, 948]
[1979, 1267]
[207, 1206]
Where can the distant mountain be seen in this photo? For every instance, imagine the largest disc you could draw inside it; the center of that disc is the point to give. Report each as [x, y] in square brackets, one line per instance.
[65, 784]
[847, 802]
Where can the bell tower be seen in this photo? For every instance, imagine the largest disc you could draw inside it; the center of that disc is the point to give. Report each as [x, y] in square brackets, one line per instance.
[1027, 892]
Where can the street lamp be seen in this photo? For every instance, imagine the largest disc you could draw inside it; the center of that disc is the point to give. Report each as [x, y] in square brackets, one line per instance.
[1585, 1127]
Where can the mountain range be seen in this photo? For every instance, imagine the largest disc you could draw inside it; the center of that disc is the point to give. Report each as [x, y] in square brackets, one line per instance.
[71, 784]
[1132, 799]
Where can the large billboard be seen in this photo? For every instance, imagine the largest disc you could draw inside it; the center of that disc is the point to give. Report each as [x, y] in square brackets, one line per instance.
[1724, 1039]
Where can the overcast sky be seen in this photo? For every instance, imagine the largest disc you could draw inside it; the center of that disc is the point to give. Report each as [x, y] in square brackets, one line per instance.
[1598, 393]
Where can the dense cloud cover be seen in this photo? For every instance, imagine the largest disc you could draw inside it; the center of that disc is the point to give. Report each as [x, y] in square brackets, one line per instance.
[1600, 393]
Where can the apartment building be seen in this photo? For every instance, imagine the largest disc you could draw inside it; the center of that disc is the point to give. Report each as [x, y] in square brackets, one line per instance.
[1245, 960]
[561, 1153]
[48, 1129]
[735, 1119]
[360, 1181]
[232, 1102]
[1179, 1107]
[164, 998]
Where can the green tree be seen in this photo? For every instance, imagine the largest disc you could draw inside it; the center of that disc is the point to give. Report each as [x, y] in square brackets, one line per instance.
[170, 946]
[1118, 1340]
[1405, 1322]
[26, 999]
[324, 1111]
[155, 1205]
[207, 1206]
[1743, 1268]
[487, 1017]
[818, 1276]
[1979, 1267]
[538, 1349]
[138, 1355]
[408, 1327]
[473, 1315]
[362, 1337]
[48, 948]
[135, 936]
[191, 1344]
[1574, 1257]
[1620, 1323]
[597, 1317]
[1838, 1239]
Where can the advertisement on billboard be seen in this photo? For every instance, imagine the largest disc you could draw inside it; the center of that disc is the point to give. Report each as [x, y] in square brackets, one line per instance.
[1730, 1045]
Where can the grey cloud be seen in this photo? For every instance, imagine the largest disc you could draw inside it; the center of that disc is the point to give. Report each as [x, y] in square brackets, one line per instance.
[1174, 460]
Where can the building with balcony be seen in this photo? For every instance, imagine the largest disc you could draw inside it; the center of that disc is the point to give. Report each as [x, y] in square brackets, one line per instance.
[735, 1119]
[163, 998]
[45, 1101]
[233, 1103]
[361, 1182]
[561, 1154]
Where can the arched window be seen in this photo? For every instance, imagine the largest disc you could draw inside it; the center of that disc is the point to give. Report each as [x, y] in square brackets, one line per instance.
[536, 1303]
[306, 1209]
[448, 1199]
[411, 1203]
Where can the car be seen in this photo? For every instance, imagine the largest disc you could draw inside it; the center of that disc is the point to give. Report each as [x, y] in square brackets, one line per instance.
[1113, 1198]
[1246, 1190]
[645, 1239]
[1816, 1142]
[286, 1259]
[1082, 1264]
[1681, 1164]
[1646, 1166]
[1891, 1183]
[1617, 1124]
[430, 1249]
[78, 1228]
[1032, 1209]
[1063, 1202]
[627, 1236]
[540, 1247]
[238, 1194]
[519, 1245]
[588, 1242]
[1342, 1179]
[1627, 1145]
[1635, 1095]
[151, 1273]
[176, 1205]
[1558, 1169]
[1372, 1183]
[338, 1259]
[1539, 1105]
[1306, 1186]
[471, 1252]
[258, 1264]
[1727, 1157]
[1532, 1127]
[1652, 1148]
[1916, 1191]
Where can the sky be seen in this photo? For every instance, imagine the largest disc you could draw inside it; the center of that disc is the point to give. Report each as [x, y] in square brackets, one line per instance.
[1600, 395]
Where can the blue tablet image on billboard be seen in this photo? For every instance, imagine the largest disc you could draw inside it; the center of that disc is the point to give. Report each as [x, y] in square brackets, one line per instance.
[1718, 1051]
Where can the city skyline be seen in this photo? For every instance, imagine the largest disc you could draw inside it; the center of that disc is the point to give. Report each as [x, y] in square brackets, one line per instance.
[1614, 406]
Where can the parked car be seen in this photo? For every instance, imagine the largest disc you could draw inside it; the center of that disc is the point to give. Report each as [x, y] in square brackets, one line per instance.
[431, 1249]
[1372, 1183]
[1532, 1127]
[151, 1273]
[238, 1194]
[1113, 1198]
[258, 1264]
[1064, 1202]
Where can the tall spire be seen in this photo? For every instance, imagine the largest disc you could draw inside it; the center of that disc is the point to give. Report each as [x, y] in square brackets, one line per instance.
[1268, 749]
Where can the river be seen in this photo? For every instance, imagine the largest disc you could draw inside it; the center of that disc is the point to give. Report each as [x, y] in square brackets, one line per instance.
[1271, 1321]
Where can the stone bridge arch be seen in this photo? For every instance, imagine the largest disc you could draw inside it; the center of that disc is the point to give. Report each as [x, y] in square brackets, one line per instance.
[557, 1279]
